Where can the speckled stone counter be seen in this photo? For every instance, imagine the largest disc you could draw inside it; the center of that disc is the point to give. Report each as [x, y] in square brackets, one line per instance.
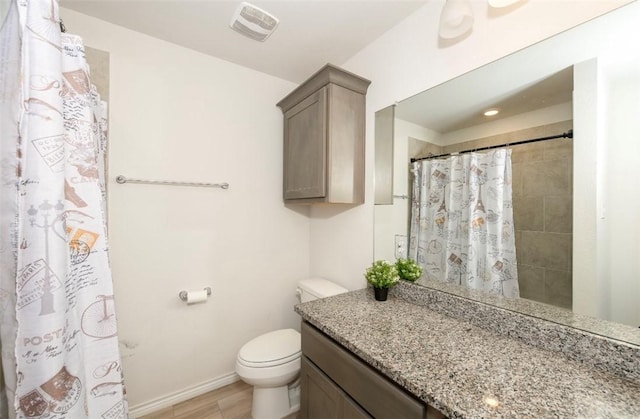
[464, 370]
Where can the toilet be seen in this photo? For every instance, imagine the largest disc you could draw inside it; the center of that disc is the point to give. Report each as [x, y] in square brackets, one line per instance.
[271, 362]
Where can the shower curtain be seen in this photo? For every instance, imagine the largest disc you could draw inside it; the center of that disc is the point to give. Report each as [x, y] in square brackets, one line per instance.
[462, 221]
[60, 356]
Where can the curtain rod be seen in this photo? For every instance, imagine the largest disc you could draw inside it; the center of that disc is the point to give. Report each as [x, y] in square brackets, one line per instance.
[568, 134]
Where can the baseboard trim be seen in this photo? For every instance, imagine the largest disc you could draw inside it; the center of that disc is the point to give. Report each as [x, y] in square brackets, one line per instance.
[182, 395]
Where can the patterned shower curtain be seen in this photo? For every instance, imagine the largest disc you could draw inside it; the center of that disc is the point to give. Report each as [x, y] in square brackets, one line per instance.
[60, 356]
[462, 228]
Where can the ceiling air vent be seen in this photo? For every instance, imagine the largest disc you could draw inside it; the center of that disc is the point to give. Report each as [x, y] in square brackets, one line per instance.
[253, 22]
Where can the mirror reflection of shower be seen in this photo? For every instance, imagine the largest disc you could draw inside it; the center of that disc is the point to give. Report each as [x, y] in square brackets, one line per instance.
[542, 180]
[542, 208]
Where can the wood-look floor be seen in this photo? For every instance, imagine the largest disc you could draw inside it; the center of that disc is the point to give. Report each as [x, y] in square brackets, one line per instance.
[228, 402]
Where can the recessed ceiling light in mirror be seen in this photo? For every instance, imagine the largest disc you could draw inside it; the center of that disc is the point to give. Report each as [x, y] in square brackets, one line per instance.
[492, 112]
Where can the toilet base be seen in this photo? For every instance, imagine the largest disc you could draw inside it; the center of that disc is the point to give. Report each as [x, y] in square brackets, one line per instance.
[272, 402]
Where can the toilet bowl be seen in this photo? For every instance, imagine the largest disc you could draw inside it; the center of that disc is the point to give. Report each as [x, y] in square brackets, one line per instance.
[271, 362]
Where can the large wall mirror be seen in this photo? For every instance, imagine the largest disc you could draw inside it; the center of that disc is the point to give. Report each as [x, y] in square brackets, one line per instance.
[576, 201]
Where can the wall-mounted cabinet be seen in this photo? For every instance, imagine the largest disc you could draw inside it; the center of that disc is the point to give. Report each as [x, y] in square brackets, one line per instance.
[324, 137]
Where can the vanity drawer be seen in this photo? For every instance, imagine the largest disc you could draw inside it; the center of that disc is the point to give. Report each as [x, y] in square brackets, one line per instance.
[376, 394]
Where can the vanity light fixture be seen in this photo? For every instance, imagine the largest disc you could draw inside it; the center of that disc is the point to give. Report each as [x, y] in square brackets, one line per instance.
[456, 19]
[253, 22]
[492, 112]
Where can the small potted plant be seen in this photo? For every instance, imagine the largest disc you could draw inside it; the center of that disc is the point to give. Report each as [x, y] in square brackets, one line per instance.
[382, 275]
[408, 269]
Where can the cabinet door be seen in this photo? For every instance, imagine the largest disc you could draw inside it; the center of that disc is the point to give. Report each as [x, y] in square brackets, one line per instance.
[366, 386]
[305, 149]
[321, 398]
[351, 410]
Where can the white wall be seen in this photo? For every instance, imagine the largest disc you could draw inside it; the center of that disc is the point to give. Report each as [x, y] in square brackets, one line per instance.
[606, 221]
[622, 200]
[176, 114]
[392, 220]
[588, 273]
[407, 60]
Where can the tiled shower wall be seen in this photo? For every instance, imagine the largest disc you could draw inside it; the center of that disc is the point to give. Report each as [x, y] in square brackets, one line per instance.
[543, 212]
[543, 206]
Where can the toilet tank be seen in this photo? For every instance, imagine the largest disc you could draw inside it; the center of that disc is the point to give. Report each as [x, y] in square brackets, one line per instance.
[314, 288]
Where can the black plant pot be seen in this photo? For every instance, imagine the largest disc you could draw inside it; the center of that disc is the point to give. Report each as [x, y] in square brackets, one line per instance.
[380, 293]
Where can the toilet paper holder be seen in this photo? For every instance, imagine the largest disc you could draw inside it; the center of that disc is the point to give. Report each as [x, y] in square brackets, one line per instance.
[183, 294]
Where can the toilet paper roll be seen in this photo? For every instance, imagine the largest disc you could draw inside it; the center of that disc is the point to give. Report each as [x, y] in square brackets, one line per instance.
[194, 297]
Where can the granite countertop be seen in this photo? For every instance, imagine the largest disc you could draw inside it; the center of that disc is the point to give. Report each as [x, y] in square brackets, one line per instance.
[464, 370]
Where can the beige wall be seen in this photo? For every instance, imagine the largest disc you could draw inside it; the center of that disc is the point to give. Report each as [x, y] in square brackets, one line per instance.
[179, 115]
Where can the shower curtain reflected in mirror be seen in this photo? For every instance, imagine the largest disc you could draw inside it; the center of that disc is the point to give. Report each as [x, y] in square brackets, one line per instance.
[462, 228]
[60, 356]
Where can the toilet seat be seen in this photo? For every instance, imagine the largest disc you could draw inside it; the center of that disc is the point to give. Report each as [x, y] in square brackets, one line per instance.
[271, 349]
[271, 363]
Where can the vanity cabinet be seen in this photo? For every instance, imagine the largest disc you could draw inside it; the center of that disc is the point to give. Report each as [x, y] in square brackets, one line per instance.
[322, 398]
[324, 130]
[337, 384]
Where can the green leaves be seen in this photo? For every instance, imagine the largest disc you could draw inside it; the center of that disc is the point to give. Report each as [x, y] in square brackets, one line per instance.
[382, 274]
[408, 269]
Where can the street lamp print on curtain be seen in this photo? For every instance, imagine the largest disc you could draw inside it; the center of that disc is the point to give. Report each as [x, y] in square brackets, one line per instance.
[462, 228]
[60, 354]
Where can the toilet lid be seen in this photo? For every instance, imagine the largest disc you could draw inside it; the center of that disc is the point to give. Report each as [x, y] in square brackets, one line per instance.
[273, 348]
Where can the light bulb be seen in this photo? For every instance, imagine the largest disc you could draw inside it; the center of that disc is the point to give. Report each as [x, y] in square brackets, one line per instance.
[492, 112]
